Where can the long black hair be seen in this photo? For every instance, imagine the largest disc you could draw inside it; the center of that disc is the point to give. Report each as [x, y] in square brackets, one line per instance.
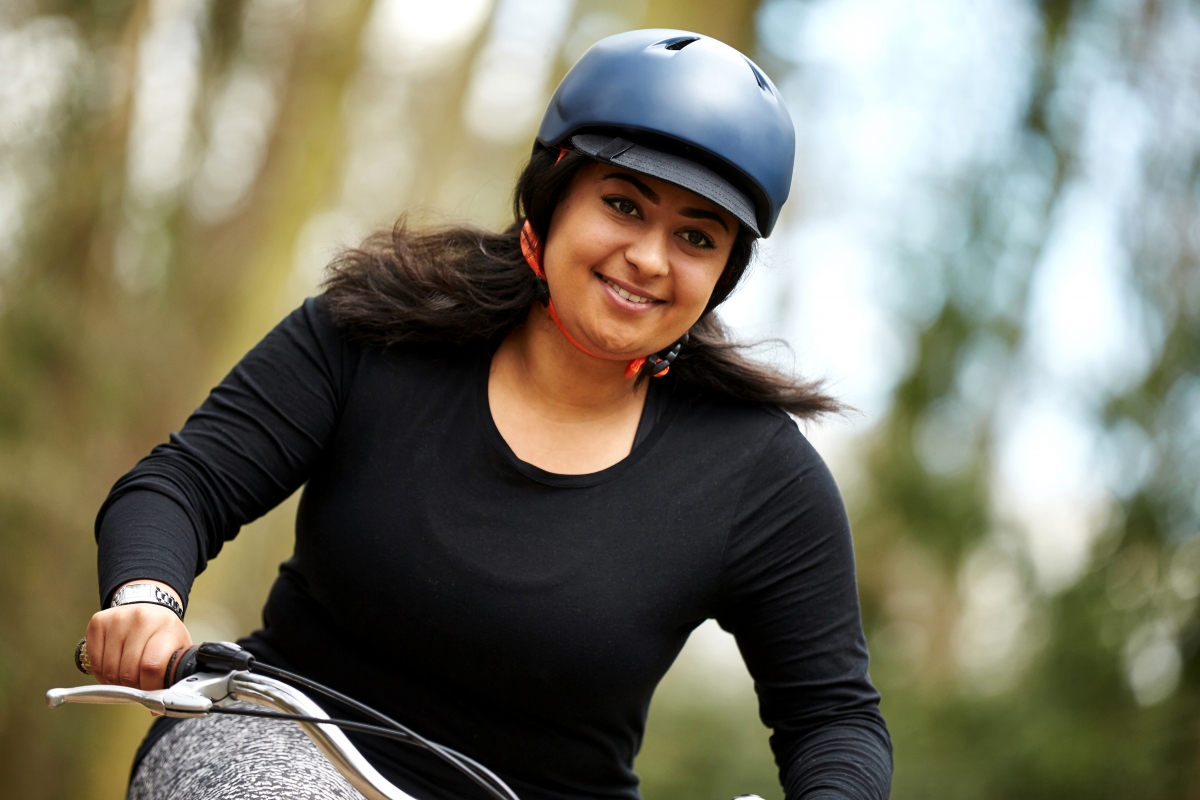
[469, 287]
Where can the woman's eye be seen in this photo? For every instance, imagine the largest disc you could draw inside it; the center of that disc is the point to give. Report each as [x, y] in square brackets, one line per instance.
[623, 206]
[698, 239]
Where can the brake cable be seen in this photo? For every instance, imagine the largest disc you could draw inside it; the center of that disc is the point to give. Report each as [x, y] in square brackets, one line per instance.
[225, 656]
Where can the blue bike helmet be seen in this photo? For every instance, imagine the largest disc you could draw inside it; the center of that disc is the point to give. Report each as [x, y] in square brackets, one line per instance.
[684, 108]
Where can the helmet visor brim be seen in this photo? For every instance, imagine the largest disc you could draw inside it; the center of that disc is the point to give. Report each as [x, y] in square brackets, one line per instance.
[674, 169]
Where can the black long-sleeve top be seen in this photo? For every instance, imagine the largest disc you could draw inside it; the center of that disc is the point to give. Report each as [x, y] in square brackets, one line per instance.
[521, 617]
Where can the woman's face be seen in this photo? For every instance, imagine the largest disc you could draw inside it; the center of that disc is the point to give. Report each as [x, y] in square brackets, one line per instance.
[632, 260]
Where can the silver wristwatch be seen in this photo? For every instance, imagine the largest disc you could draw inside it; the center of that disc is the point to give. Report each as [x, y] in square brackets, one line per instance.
[146, 593]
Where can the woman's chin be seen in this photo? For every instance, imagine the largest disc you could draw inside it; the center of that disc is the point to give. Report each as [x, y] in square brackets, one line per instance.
[618, 345]
[620, 340]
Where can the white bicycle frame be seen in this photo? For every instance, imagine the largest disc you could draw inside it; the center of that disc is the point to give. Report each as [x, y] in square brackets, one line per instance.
[195, 696]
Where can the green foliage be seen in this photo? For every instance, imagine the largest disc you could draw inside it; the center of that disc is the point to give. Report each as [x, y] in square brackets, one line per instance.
[1066, 722]
[704, 749]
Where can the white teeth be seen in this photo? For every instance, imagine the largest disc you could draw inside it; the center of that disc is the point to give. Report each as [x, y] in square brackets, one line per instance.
[633, 298]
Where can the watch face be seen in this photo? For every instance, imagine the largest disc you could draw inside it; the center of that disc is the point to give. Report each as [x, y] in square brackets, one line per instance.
[136, 592]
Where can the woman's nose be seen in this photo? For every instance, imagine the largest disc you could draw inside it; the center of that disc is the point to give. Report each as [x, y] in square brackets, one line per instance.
[649, 254]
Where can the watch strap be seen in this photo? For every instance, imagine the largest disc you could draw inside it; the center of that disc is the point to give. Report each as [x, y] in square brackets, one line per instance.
[135, 593]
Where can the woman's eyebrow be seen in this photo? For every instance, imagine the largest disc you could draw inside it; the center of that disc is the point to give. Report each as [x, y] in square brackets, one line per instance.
[649, 193]
[652, 196]
[700, 213]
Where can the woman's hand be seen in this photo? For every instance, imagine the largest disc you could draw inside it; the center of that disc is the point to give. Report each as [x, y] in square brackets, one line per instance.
[131, 645]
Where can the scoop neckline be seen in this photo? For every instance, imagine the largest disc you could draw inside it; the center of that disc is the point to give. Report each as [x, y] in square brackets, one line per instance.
[557, 479]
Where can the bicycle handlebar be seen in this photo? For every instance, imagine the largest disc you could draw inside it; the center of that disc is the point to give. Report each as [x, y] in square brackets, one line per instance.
[217, 675]
[195, 696]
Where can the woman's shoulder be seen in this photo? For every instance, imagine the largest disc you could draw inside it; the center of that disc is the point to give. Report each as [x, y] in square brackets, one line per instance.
[788, 498]
[754, 437]
[743, 418]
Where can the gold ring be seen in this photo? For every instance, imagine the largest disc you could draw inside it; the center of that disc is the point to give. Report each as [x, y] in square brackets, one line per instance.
[81, 657]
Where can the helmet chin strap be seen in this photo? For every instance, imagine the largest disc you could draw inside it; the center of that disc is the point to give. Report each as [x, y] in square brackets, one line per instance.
[531, 248]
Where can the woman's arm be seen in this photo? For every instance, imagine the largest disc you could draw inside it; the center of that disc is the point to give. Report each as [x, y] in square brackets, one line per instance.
[251, 444]
[790, 598]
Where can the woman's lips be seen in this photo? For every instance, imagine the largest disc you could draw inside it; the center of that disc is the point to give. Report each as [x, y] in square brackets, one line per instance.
[625, 294]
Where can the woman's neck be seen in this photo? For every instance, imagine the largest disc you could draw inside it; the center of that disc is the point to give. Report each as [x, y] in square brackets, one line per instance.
[559, 408]
[557, 374]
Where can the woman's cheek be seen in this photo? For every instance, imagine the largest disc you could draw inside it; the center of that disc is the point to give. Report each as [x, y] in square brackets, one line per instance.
[693, 289]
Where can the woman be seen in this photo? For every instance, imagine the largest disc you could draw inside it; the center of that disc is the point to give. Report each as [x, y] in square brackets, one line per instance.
[532, 466]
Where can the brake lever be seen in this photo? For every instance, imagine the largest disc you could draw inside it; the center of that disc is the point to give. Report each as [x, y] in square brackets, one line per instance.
[192, 697]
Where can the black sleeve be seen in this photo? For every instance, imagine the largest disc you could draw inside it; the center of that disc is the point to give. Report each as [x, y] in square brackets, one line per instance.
[790, 599]
[246, 449]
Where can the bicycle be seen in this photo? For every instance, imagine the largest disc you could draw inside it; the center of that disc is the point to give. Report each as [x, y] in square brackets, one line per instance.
[209, 678]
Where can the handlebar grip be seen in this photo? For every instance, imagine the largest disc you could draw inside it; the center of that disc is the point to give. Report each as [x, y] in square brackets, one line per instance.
[181, 666]
[186, 662]
[206, 657]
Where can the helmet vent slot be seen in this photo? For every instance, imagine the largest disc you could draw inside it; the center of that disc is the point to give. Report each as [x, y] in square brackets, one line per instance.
[758, 76]
[679, 42]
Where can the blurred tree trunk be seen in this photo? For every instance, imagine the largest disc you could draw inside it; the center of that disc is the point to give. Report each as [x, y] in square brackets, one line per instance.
[95, 374]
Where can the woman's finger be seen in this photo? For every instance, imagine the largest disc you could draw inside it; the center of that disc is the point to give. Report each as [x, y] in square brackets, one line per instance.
[94, 635]
[143, 625]
[116, 627]
[157, 654]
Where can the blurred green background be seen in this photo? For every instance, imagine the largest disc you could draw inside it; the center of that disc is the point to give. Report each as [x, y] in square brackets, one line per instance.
[991, 251]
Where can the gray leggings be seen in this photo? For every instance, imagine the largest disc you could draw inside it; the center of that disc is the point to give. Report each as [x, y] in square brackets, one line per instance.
[237, 758]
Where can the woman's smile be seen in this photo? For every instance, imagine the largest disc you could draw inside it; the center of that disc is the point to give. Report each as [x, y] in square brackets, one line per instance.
[628, 297]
